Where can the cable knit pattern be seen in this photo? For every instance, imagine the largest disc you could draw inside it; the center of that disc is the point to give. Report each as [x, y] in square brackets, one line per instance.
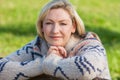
[88, 61]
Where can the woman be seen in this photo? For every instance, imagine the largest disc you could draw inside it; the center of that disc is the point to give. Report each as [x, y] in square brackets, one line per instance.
[62, 49]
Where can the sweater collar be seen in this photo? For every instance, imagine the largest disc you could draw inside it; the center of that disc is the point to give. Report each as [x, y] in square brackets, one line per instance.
[72, 42]
[44, 46]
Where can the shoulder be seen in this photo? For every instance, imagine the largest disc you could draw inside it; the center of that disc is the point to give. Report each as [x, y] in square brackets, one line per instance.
[33, 45]
[90, 38]
[89, 44]
[78, 41]
[38, 41]
[40, 45]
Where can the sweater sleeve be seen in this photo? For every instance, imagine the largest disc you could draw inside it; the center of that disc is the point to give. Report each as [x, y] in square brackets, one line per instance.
[22, 64]
[27, 52]
[14, 70]
[88, 63]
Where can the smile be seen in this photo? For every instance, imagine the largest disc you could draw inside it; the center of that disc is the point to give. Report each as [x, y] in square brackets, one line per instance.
[55, 37]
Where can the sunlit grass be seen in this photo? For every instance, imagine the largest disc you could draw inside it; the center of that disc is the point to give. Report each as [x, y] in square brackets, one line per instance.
[18, 19]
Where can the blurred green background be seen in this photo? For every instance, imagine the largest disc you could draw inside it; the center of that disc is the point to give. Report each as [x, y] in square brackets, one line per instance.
[18, 19]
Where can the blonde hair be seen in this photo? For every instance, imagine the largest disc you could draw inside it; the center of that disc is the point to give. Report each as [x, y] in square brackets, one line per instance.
[66, 5]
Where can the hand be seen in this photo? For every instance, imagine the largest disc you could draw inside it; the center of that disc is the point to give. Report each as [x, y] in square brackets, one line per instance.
[52, 50]
[60, 51]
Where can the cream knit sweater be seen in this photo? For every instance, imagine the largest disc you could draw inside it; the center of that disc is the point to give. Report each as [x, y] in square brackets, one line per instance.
[89, 61]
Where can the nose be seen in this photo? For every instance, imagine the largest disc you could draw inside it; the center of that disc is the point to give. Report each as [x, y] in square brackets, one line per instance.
[55, 28]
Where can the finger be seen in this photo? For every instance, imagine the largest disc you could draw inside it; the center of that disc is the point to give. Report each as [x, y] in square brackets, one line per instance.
[52, 49]
[62, 51]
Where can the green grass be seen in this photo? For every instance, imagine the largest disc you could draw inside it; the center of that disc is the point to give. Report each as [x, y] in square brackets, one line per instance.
[18, 18]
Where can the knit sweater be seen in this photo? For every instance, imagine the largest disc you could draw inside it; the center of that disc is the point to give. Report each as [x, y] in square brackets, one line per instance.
[87, 62]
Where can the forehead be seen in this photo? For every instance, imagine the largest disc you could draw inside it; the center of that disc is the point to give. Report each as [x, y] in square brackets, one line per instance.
[58, 13]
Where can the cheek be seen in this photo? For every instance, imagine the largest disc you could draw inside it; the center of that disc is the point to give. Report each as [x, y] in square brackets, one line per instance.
[67, 33]
[45, 30]
[68, 30]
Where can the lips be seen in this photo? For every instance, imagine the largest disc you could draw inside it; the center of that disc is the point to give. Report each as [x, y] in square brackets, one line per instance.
[55, 37]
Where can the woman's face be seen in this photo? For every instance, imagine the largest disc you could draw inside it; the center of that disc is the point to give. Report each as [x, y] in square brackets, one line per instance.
[57, 27]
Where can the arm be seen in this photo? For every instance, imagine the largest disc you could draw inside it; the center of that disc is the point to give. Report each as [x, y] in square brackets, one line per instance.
[14, 70]
[88, 63]
[22, 64]
[25, 53]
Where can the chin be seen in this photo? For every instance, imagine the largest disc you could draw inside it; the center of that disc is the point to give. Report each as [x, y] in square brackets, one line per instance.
[56, 45]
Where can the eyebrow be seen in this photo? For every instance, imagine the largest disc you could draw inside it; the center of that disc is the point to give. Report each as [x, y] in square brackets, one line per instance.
[59, 21]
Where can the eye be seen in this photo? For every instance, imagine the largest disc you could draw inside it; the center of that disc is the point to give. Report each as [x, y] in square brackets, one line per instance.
[48, 23]
[63, 24]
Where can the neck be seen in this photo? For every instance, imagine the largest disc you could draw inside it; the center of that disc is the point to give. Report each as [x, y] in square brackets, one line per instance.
[72, 42]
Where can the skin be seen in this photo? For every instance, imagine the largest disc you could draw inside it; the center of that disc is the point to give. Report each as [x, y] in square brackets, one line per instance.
[57, 29]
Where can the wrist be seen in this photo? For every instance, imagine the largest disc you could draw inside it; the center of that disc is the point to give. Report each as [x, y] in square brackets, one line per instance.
[50, 63]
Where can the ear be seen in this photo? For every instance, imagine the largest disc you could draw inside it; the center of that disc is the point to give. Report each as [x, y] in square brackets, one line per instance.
[73, 28]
